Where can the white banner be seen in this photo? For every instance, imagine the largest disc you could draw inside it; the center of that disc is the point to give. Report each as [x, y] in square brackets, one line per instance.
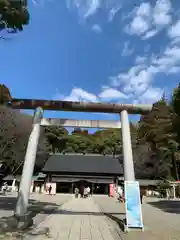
[133, 205]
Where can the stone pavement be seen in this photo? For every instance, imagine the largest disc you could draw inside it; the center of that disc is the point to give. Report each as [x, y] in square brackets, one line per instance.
[161, 218]
[78, 219]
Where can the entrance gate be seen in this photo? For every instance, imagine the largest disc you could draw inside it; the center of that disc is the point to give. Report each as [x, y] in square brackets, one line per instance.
[41, 105]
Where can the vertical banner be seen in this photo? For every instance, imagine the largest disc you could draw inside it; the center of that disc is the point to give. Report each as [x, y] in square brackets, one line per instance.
[133, 205]
[111, 190]
[53, 189]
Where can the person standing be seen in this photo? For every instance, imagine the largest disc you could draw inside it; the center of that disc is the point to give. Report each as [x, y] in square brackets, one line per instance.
[88, 190]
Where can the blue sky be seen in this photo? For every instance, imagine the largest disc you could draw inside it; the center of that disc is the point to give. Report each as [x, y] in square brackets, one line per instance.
[94, 50]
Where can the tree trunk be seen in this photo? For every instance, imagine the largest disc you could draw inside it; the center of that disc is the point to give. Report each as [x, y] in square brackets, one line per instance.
[174, 167]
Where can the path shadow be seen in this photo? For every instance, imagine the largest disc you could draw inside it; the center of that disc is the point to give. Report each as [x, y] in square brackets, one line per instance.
[35, 207]
[170, 206]
[119, 219]
[67, 212]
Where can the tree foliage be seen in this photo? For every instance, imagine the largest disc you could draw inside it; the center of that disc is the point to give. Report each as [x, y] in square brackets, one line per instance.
[15, 128]
[157, 129]
[5, 95]
[13, 14]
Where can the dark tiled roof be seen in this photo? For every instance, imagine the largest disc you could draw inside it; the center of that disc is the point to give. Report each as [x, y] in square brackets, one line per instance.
[83, 164]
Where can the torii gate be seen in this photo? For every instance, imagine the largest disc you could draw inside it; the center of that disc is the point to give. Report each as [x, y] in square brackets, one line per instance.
[41, 105]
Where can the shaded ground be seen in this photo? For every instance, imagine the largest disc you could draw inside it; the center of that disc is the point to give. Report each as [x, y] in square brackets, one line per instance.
[40, 206]
[169, 206]
[159, 218]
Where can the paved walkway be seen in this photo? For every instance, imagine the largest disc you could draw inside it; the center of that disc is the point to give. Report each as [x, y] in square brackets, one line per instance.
[77, 219]
[161, 218]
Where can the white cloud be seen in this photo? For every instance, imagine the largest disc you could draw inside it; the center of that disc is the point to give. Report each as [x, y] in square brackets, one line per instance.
[148, 20]
[168, 61]
[85, 8]
[150, 96]
[139, 82]
[161, 15]
[96, 28]
[174, 69]
[174, 31]
[144, 10]
[141, 75]
[123, 78]
[138, 26]
[136, 84]
[111, 93]
[92, 7]
[140, 23]
[150, 34]
[88, 8]
[127, 51]
[78, 94]
[113, 11]
[140, 60]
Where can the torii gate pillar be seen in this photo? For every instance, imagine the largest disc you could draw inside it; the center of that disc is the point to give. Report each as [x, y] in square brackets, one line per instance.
[127, 148]
[28, 168]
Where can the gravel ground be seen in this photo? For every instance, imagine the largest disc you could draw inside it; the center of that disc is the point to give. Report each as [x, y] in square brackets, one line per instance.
[161, 218]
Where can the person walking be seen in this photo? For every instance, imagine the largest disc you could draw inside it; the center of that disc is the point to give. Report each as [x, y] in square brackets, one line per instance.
[50, 189]
[85, 193]
[142, 194]
[120, 193]
[76, 191]
[81, 191]
[4, 188]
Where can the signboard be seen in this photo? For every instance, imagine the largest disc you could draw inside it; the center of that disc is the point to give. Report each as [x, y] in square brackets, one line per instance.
[133, 205]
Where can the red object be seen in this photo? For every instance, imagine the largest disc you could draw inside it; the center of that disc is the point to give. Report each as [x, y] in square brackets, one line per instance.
[111, 190]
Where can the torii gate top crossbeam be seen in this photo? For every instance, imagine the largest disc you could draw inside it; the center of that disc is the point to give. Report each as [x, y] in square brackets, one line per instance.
[80, 123]
[79, 106]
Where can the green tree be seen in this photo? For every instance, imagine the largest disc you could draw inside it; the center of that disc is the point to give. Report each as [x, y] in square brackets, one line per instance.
[5, 95]
[15, 129]
[13, 14]
[110, 139]
[156, 128]
[54, 135]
